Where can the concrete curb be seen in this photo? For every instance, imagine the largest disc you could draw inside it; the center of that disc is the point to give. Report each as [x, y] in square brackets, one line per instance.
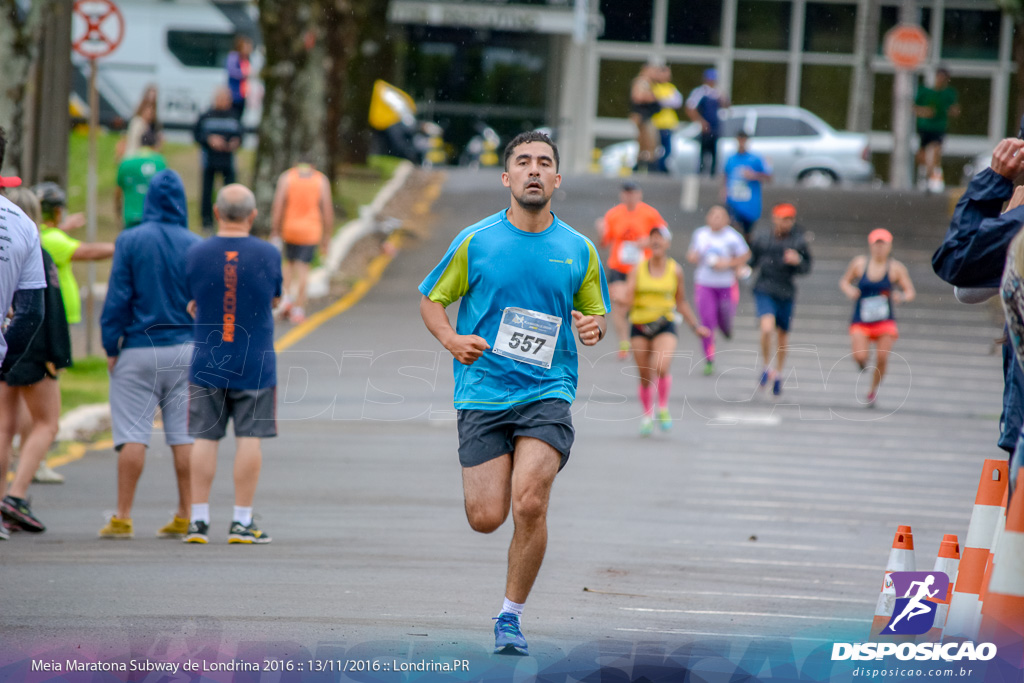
[82, 422]
[355, 230]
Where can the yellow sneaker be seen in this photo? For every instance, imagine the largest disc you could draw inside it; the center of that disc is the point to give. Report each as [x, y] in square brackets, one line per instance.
[176, 528]
[117, 528]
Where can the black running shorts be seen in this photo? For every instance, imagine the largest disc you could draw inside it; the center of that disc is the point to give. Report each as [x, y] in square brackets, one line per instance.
[488, 434]
[299, 252]
[254, 412]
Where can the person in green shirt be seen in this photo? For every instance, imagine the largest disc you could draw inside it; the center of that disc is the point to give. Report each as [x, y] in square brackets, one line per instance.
[65, 249]
[933, 107]
[133, 176]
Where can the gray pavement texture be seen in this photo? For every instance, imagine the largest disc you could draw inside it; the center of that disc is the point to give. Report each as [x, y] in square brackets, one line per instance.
[752, 521]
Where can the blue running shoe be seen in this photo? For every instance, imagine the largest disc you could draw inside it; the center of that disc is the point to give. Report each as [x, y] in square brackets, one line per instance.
[508, 639]
[765, 376]
[777, 388]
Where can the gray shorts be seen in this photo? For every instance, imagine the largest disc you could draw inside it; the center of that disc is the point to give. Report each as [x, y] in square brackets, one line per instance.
[488, 434]
[144, 378]
[253, 412]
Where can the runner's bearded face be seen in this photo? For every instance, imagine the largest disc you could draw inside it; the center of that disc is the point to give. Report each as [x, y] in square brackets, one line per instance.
[532, 176]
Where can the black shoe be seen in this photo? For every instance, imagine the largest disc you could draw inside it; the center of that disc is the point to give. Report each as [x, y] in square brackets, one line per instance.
[247, 534]
[197, 532]
[17, 511]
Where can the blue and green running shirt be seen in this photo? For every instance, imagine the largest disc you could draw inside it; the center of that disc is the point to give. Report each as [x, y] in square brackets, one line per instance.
[494, 265]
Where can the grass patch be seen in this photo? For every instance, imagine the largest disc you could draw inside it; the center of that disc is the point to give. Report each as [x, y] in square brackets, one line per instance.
[356, 185]
[84, 383]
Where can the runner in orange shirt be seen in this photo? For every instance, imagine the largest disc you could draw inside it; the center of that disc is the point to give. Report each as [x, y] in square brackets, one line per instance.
[303, 217]
[625, 230]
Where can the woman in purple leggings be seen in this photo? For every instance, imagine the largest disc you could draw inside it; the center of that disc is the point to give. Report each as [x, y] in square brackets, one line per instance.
[718, 251]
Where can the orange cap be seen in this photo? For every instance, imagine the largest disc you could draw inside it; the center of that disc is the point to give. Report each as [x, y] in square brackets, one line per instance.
[879, 235]
[784, 211]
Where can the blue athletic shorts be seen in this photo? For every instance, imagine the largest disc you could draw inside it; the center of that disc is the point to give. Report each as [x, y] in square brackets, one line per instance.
[782, 309]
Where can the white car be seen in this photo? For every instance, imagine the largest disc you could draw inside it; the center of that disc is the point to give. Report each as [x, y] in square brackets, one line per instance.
[800, 147]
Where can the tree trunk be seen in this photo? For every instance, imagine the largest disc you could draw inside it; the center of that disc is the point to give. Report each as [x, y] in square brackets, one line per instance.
[371, 52]
[18, 45]
[292, 115]
[322, 57]
[1018, 58]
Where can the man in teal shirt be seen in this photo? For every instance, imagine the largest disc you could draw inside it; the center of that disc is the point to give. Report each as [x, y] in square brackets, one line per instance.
[133, 176]
[933, 107]
[523, 278]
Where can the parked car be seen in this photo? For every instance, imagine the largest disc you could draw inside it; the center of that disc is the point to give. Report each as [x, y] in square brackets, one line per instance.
[800, 146]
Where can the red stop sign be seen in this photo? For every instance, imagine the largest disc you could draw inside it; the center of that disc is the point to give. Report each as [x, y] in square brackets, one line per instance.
[906, 46]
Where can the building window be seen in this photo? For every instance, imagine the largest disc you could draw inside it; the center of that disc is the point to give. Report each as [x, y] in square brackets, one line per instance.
[881, 110]
[686, 77]
[763, 25]
[200, 48]
[975, 95]
[830, 28]
[628, 21]
[615, 79]
[758, 83]
[888, 19]
[834, 82]
[694, 23]
[971, 34]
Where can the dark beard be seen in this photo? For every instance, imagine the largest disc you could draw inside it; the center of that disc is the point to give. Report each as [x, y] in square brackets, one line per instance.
[533, 204]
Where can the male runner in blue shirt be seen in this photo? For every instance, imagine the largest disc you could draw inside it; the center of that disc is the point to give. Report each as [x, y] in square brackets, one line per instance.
[524, 278]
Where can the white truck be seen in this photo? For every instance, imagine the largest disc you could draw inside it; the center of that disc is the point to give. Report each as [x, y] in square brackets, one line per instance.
[181, 46]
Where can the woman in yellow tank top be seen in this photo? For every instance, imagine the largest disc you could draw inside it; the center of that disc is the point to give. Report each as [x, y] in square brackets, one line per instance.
[656, 289]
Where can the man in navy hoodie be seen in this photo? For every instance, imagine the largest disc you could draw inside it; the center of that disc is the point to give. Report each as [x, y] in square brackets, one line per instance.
[147, 334]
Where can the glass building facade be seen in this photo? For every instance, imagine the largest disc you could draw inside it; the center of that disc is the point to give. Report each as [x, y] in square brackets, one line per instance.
[799, 52]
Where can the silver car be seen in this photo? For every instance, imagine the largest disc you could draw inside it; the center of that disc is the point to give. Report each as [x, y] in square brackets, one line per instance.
[800, 147]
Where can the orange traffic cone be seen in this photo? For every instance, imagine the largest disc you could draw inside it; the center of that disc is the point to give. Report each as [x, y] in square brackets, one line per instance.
[948, 561]
[1000, 525]
[964, 608]
[1002, 615]
[901, 559]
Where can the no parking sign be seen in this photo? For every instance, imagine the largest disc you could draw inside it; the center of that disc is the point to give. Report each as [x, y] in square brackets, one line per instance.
[98, 28]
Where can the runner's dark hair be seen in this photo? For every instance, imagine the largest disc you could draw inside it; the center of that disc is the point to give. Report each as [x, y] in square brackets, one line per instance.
[529, 136]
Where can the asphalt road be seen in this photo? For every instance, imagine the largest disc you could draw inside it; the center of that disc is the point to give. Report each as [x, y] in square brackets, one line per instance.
[753, 519]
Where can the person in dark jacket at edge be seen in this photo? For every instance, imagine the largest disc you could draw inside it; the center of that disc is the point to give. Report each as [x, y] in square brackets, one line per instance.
[147, 335]
[972, 257]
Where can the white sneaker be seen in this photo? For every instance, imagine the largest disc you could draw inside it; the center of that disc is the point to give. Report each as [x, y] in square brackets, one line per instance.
[47, 475]
[936, 184]
[283, 308]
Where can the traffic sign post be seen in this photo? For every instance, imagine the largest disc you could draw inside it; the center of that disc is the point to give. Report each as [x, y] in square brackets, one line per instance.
[906, 47]
[98, 31]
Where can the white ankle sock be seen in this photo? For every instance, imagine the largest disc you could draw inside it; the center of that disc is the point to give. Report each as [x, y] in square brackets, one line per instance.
[243, 515]
[515, 608]
[201, 512]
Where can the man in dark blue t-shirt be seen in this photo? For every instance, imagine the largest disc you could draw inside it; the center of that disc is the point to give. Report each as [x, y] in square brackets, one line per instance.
[218, 132]
[702, 106]
[234, 280]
